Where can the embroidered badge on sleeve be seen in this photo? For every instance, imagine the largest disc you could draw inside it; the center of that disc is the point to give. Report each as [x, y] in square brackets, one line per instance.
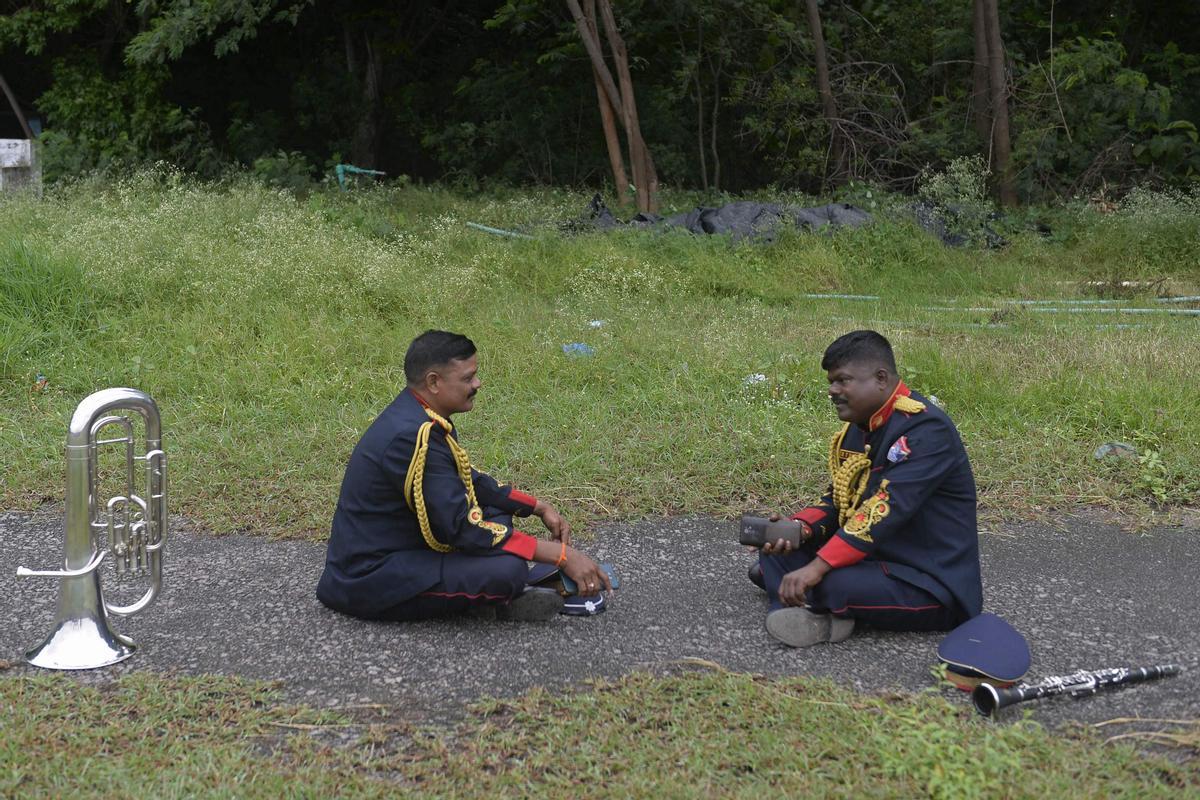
[872, 510]
[899, 450]
[498, 531]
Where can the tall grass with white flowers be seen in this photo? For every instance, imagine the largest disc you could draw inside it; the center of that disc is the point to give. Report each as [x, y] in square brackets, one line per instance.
[271, 329]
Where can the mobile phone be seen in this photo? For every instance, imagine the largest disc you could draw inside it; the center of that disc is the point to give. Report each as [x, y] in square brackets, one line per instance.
[757, 531]
[570, 587]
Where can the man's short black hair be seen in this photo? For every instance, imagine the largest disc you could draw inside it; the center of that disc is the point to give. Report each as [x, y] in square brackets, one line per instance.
[434, 349]
[859, 347]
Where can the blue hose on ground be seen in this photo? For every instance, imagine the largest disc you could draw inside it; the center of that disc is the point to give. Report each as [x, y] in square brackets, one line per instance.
[498, 231]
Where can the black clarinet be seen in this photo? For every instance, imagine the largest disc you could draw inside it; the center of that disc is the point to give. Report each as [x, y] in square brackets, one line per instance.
[988, 699]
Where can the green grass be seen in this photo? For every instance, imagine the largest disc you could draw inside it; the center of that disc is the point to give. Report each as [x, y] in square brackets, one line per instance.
[271, 330]
[707, 734]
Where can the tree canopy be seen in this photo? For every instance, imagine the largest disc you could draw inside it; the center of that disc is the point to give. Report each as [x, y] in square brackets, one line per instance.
[731, 94]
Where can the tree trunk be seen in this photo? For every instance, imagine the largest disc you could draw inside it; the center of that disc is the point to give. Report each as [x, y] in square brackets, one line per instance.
[364, 147]
[980, 113]
[613, 143]
[600, 71]
[351, 56]
[699, 103]
[639, 154]
[644, 177]
[16, 107]
[1001, 146]
[591, 43]
[828, 104]
[608, 120]
[712, 131]
[700, 131]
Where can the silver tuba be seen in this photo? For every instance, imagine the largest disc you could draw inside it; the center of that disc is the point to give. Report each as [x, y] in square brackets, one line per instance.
[128, 528]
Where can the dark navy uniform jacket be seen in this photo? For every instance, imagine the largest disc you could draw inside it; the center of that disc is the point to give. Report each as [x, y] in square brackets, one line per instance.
[917, 512]
[377, 556]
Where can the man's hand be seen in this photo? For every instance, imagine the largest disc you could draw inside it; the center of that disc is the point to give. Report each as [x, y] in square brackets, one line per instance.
[795, 584]
[782, 546]
[586, 573]
[560, 529]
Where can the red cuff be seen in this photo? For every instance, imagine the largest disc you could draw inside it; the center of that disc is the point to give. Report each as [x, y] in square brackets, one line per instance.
[520, 544]
[523, 499]
[812, 515]
[838, 553]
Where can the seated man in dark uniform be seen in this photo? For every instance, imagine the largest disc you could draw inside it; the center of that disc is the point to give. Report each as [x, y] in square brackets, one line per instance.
[418, 532]
[893, 543]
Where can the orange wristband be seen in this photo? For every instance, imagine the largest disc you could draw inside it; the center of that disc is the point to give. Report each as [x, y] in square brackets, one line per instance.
[562, 557]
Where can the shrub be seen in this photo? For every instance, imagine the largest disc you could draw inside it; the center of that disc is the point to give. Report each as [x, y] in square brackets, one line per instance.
[284, 170]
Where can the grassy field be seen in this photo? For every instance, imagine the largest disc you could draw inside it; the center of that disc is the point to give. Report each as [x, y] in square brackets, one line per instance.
[271, 330]
[703, 734]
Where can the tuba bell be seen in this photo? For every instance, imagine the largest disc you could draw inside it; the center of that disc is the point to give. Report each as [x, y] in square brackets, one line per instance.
[128, 529]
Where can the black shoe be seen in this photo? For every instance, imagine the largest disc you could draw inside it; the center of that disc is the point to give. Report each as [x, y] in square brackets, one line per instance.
[756, 577]
[535, 604]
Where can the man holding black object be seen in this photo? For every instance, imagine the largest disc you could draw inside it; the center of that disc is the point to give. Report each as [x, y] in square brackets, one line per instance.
[419, 533]
[893, 543]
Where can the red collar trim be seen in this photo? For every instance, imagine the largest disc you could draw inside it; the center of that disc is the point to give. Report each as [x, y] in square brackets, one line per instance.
[880, 417]
[443, 422]
[420, 399]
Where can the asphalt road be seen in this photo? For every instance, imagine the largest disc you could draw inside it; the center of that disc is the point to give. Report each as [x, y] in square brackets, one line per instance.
[1086, 594]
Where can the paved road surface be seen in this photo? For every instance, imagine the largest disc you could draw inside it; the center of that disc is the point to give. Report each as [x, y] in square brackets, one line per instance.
[1086, 595]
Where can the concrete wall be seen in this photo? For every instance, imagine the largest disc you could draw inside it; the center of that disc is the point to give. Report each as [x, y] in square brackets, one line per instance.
[19, 168]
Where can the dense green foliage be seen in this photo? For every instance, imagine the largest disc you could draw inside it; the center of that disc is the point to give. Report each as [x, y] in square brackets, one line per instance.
[1104, 94]
[694, 735]
[271, 331]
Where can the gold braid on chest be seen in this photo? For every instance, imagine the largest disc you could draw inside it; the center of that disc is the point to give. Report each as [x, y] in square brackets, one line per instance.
[414, 481]
[850, 475]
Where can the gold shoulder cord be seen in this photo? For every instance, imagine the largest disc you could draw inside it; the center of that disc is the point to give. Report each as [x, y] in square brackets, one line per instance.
[849, 477]
[414, 482]
[907, 405]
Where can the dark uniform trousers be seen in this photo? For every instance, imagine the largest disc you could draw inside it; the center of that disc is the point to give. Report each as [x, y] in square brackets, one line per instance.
[863, 591]
[493, 578]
